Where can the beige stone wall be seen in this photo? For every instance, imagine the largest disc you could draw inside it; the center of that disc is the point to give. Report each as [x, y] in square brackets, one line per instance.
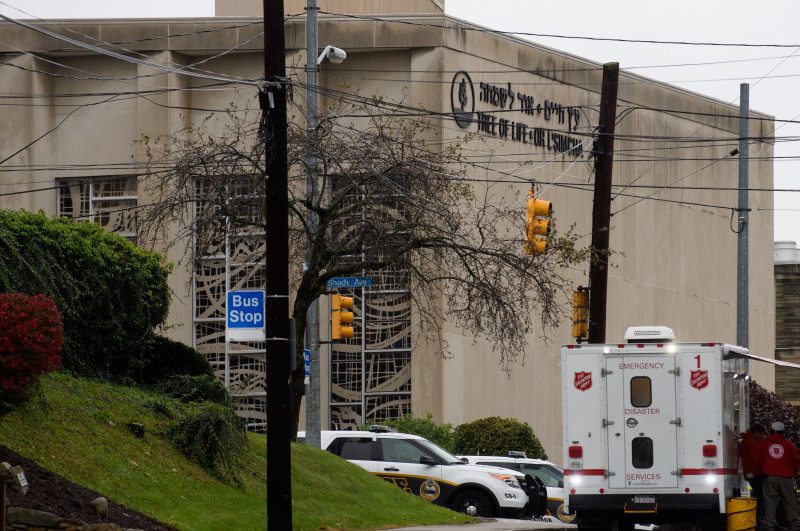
[255, 8]
[676, 254]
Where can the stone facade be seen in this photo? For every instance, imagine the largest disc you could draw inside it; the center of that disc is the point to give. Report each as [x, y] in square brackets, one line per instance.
[787, 324]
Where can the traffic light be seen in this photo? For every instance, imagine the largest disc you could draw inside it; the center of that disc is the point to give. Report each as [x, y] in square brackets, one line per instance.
[536, 225]
[340, 316]
[580, 314]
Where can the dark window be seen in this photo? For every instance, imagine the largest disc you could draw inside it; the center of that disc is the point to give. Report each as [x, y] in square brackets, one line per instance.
[353, 448]
[641, 391]
[642, 452]
[401, 451]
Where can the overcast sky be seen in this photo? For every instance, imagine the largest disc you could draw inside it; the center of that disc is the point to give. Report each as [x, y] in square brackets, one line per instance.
[770, 62]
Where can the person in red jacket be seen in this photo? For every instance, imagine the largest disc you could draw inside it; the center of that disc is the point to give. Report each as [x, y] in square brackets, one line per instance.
[778, 461]
[747, 449]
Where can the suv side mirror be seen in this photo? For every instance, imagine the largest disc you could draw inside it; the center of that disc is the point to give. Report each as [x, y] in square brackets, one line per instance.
[561, 483]
[427, 460]
[465, 460]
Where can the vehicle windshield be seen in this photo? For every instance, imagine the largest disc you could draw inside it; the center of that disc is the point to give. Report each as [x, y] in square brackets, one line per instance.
[550, 475]
[439, 452]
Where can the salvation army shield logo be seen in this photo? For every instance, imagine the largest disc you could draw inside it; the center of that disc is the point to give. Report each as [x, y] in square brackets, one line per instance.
[699, 379]
[583, 380]
[775, 451]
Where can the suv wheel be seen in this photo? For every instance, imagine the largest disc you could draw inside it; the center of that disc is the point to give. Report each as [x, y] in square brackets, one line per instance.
[473, 503]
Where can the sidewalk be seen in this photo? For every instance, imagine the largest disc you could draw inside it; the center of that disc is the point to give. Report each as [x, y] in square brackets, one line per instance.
[497, 524]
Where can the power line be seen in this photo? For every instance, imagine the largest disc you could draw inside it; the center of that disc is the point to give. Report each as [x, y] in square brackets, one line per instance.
[557, 36]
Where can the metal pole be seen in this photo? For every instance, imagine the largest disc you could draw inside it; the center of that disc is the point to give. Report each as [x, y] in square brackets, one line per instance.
[279, 470]
[742, 270]
[742, 291]
[313, 422]
[601, 212]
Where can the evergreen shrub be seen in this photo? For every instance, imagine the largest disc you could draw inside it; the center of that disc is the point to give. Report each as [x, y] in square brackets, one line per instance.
[200, 388]
[167, 358]
[497, 436]
[111, 294]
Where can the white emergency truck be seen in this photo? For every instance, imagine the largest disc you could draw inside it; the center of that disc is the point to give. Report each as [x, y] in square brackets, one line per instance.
[650, 430]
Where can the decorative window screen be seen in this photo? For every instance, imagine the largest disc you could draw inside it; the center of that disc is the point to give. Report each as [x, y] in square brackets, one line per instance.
[108, 201]
[231, 258]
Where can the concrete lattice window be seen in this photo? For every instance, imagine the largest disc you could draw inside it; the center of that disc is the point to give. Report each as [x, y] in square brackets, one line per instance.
[110, 201]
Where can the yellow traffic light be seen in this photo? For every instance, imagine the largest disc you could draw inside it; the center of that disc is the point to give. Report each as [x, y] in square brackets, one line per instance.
[580, 314]
[536, 226]
[340, 317]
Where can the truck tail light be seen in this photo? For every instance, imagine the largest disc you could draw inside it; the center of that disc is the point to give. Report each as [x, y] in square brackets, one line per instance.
[710, 456]
[576, 457]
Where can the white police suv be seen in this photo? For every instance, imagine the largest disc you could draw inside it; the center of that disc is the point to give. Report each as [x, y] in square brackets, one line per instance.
[549, 473]
[422, 468]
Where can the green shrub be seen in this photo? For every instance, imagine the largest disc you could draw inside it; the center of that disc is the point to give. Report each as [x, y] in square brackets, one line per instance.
[111, 294]
[203, 388]
[168, 408]
[213, 436]
[167, 358]
[425, 427]
[496, 436]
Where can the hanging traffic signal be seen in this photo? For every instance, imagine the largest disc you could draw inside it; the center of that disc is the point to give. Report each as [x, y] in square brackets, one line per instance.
[536, 226]
[340, 316]
[580, 314]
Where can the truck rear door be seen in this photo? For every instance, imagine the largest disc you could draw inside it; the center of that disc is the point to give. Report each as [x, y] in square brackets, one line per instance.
[642, 426]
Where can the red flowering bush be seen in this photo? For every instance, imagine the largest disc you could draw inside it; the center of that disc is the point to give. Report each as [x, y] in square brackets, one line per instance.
[31, 335]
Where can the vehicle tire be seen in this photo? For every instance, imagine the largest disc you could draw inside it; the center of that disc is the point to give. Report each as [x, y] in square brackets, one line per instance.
[473, 503]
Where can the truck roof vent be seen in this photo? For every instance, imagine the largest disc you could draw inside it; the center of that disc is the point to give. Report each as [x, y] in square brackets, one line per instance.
[649, 334]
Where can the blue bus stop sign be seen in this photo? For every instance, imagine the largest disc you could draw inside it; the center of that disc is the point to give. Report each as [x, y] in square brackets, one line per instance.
[245, 315]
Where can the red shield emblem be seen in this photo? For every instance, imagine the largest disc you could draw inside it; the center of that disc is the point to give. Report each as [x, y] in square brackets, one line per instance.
[583, 380]
[699, 379]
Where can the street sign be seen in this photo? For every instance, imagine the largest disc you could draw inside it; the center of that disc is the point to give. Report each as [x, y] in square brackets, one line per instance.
[348, 282]
[307, 361]
[245, 315]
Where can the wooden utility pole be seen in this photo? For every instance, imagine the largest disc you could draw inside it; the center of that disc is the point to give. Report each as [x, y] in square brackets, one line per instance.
[279, 470]
[601, 213]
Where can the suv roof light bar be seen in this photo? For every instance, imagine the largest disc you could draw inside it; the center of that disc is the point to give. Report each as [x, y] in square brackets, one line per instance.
[377, 428]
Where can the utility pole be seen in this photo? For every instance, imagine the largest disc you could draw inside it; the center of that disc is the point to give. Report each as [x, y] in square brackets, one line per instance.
[279, 470]
[742, 285]
[601, 212]
[313, 422]
[742, 267]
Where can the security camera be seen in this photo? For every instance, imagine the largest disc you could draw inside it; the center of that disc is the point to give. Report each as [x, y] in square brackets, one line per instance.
[335, 55]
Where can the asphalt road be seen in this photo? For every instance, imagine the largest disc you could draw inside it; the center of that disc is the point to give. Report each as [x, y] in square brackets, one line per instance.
[498, 524]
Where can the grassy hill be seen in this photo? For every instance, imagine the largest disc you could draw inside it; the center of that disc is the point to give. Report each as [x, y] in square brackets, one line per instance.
[78, 429]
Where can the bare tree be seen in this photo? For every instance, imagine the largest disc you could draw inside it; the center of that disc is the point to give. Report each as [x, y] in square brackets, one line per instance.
[391, 196]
